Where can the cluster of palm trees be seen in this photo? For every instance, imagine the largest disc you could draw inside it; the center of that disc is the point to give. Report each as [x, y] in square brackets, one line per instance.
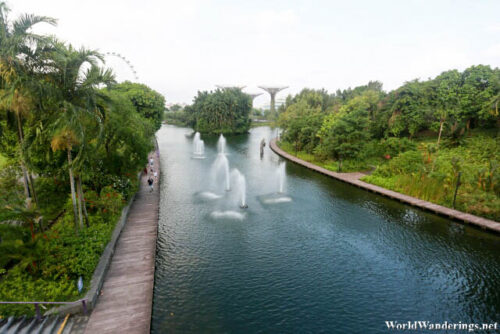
[54, 93]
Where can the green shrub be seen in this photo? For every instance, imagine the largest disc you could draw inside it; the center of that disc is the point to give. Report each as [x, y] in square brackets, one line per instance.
[49, 267]
[405, 163]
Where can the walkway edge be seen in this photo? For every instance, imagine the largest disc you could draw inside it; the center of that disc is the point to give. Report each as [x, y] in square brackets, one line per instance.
[481, 222]
[102, 267]
[125, 300]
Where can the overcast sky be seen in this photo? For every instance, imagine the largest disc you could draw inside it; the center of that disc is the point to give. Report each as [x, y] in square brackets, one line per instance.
[180, 47]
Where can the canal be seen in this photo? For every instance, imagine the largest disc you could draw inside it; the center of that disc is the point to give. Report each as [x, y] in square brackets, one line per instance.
[322, 256]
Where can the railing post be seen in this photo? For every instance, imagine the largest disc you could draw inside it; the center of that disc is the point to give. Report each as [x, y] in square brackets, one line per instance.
[37, 310]
[84, 304]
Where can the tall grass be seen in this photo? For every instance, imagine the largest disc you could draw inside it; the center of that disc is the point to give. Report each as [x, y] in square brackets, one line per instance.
[429, 173]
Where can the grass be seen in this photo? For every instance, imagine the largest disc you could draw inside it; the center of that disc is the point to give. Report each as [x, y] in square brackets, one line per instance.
[330, 164]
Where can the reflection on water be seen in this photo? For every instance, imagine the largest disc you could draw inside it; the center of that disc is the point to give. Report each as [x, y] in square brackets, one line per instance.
[332, 259]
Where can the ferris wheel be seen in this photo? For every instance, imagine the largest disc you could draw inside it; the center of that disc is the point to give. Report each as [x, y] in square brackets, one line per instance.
[127, 62]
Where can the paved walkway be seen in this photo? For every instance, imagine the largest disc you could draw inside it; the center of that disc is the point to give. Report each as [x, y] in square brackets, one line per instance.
[126, 299]
[353, 178]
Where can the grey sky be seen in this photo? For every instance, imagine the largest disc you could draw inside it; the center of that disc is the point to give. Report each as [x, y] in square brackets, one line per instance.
[180, 47]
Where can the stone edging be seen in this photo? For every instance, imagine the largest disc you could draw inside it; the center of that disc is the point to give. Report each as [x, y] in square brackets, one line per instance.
[101, 268]
[481, 222]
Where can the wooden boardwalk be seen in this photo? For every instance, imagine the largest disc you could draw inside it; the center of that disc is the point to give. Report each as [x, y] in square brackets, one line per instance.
[126, 299]
[353, 178]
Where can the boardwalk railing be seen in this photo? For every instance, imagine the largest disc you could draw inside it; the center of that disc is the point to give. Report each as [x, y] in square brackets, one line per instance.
[37, 305]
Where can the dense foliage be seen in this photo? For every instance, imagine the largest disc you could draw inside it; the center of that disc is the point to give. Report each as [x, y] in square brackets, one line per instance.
[222, 111]
[48, 265]
[419, 137]
[146, 101]
[76, 140]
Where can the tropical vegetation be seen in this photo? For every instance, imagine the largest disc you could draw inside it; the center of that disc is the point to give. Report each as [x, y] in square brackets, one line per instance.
[421, 139]
[72, 141]
[224, 111]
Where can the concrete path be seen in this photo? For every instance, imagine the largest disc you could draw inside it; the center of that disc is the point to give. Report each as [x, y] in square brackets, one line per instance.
[126, 299]
[353, 178]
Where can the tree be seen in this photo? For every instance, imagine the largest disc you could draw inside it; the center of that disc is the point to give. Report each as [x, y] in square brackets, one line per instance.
[345, 133]
[301, 119]
[21, 55]
[176, 107]
[147, 102]
[410, 110]
[221, 111]
[448, 90]
[76, 94]
[124, 143]
[479, 87]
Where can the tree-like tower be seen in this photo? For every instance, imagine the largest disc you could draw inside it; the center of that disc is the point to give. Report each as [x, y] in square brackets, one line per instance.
[273, 91]
[229, 87]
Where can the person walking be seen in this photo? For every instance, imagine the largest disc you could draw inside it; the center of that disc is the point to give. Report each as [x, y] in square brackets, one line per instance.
[151, 162]
[150, 182]
[155, 175]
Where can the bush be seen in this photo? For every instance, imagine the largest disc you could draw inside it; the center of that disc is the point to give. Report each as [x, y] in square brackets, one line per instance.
[431, 174]
[405, 163]
[50, 266]
[393, 146]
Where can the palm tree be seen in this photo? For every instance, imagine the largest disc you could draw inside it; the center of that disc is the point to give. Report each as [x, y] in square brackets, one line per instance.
[77, 78]
[21, 59]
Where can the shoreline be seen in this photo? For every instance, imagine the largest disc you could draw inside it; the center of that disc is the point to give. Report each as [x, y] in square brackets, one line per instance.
[483, 223]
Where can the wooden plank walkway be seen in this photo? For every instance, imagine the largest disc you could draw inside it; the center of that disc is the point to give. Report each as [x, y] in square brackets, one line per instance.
[353, 178]
[126, 299]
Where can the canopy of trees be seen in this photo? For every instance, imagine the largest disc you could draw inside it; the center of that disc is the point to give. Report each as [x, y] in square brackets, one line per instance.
[222, 111]
[146, 101]
[72, 141]
[337, 124]
[419, 137]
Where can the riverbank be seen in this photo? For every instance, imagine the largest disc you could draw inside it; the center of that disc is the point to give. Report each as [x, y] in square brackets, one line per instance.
[483, 223]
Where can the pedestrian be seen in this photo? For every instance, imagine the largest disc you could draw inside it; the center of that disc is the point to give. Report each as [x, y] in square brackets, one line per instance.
[145, 170]
[156, 175]
[151, 162]
[150, 182]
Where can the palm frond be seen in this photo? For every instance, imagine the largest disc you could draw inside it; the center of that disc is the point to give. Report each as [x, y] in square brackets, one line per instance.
[25, 22]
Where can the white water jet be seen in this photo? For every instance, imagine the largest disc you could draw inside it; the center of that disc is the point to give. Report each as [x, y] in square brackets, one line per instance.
[209, 195]
[228, 215]
[221, 144]
[277, 200]
[281, 173]
[221, 170]
[240, 187]
[198, 146]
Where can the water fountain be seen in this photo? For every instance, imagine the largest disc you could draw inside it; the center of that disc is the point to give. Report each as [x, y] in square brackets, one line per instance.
[279, 196]
[221, 170]
[240, 187]
[281, 172]
[221, 144]
[198, 147]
